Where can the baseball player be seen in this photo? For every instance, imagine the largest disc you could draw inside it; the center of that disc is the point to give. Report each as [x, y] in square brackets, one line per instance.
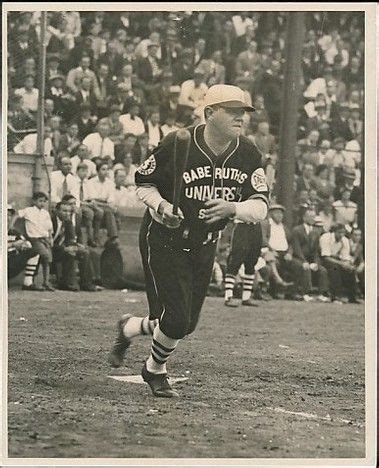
[245, 249]
[223, 180]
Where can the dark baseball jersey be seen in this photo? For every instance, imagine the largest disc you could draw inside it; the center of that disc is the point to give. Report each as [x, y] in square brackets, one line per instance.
[235, 175]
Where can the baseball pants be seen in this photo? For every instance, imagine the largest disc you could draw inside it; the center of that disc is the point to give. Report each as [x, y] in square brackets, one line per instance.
[177, 279]
[245, 248]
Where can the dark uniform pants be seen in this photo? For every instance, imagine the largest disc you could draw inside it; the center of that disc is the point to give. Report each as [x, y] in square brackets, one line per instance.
[17, 261]
[176, 279]
[245, 248]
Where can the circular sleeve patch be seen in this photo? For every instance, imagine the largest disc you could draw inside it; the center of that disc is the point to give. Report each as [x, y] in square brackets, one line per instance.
[258, 180]
[148, 166]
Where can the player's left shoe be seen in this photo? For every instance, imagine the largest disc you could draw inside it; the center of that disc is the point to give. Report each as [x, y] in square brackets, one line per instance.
[121, 344]
[159, 384]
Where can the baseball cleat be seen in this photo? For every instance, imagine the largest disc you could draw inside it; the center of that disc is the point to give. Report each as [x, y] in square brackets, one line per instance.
[232, 302]
[249, 302]
[158, 383]
[121, 344]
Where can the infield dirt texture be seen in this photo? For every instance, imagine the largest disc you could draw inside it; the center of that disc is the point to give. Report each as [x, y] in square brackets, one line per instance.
[282, 380]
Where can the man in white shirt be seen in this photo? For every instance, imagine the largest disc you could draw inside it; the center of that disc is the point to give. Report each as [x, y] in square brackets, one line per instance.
[62, 181]
[29, 95]
[153, 129]
[98, 144]
[76, 74]
[101, 194]
[28, 145]
[170, 124]
[335, 256]
[131, 122]
[82, 157]
[193, 91]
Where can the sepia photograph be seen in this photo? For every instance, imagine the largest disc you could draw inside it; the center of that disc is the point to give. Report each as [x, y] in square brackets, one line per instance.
[190, 199]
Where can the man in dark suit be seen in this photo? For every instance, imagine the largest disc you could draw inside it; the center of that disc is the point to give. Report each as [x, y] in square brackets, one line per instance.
[67, 251]
[149, 68]
[85, 121]
[305, 251]
[86, 95]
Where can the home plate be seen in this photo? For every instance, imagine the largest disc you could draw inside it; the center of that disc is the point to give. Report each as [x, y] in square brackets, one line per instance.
[137, 379]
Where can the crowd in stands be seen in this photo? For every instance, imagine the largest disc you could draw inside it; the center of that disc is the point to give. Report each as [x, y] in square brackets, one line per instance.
[117, 82]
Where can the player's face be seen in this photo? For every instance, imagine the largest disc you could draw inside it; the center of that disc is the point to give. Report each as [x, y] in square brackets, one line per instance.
[228, 121]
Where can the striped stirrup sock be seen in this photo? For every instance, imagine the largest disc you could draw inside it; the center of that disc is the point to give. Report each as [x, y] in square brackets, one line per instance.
[248, 282]
[229, 285]
[139, 326]
[161, 349]
[30, 270]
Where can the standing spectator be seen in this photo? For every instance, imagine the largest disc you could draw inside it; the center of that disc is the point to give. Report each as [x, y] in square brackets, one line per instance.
[29, 95]
[38, 227]
[305, 246]
[99, 144]
[335, 256]
[62, 181]
[82, 157]
[131, 122]
[101, 193]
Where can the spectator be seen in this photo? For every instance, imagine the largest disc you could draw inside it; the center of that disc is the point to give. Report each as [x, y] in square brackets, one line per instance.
[131, 122]
[99, 144]
[153, 129]
[18, 121]
[141, 150]
[321, 183]
[66, 251]
[305, 245]
[326, 215]
[70, 140]
[170, 124]
[38, 227]
[304, 182]
[214, 70]
[260, 114]
[29, 143]
[355, 123]
[112, 59]
[62, 181]
[125, 78]
[29, 95]
[86, 122]
[183, 70]
[264, 140]
[60, 96]
[75, 75]
[149, 68]
[357, 257]
[335, 257]
[130, 171]
[21, 255]
[249, 61]
[193, 91]
[106, 90]
[82, 157]
[270, 88]
[102, 197]
[345, 211]
[127, 148]
[22, 48]
[86, 96]
[340, 123]
[170, 103]
[116, 133]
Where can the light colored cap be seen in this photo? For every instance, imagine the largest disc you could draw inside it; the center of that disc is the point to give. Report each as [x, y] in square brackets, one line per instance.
[10, 207]
[228, 96]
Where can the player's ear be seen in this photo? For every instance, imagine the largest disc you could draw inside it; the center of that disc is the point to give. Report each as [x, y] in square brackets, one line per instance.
[208, 112]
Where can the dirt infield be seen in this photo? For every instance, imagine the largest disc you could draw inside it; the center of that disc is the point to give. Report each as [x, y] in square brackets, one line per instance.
[282, 380]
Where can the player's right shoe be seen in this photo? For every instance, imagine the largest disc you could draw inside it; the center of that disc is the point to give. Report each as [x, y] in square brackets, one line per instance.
[232, 302]
[158, 383]
[121, 344]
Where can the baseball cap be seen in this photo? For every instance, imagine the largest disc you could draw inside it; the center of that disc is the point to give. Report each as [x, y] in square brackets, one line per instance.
[228, 96]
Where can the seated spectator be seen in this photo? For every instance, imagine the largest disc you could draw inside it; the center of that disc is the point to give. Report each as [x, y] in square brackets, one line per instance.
[107, 90]
[260, 114]
[141, 149]
[276, 237]
[335, 257]
[131, 122]
[99, 144]
[149, 68]
[355, 123]
[70, 140]
[193, 91]
[326, 215]
[21, 47]
[305, 246]
[314, 123]
[66, 251]
[62, 181]
[86, 122]
[324, 153]
[314, 200]
[112, 59]
[86, 95]
[357, 257]
[214, 70]
[116, 132]
[82, 157]
[304, 182]
[38, 227]
[53, 66]
[321, 183]
[249, 61]
[21, 255]
[170, 104]
[76, 75]
[153, 129]
[170, 124]
[337, 159]
[29, 95]
[345, 211]
[101, 194]
[130, 170]
[348, 182]
[60, 96]
[264, 140]
[19, 122]
[28, 145]
[127, 148]
[125, 78]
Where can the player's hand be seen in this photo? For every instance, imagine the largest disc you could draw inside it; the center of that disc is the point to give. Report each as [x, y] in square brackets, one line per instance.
[313, 266]
[306, 266]
[170, 220]
[218, 209]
